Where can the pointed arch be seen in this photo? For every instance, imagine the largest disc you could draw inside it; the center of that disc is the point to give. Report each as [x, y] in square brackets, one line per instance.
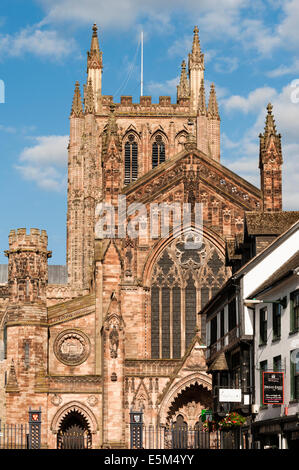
[165, 401]
[76, 407]
[180, 282]
[162, 243]
[181, 139]
[159, 142]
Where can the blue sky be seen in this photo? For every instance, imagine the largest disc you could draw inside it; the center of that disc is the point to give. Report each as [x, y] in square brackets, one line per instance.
[251, 54]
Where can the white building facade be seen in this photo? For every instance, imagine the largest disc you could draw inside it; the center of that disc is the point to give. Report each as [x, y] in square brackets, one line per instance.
[252, 326]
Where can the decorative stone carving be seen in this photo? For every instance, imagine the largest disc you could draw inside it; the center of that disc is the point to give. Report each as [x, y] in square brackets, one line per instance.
[72, 347]
[114, 341]
[92, 400]
[56, 400]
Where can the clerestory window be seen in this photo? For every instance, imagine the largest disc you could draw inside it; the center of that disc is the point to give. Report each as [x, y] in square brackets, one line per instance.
[158, 151]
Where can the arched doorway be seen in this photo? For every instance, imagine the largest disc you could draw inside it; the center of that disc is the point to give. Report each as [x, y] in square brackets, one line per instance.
[74, 432]
[183, 425]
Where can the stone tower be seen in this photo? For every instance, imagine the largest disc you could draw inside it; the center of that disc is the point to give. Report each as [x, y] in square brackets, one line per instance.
[270, 165]
[26, 321]
[164, 124]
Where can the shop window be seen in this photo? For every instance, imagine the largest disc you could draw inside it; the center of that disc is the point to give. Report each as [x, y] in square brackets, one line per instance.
[263, 326]
[295, 375]
[276, 321]
[294, 311]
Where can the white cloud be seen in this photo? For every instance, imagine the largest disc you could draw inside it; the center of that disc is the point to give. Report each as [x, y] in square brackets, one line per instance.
[163, 88]
[285, 70]
[256, 34]
[181, 47]
[45, 162]
[253, 102]
[34, 40]
[213, 11]
[8, 129]
[226, 64]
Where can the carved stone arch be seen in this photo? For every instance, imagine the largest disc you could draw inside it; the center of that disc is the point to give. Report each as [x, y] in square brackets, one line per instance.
[173, 391]
[182, 414]
[159, 131]
[180, 139]
[162, 243]
[131, 130]
[77, 407]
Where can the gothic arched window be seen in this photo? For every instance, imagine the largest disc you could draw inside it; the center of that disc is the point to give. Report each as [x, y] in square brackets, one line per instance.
[131, 159]
[158, 151]
[183, 280]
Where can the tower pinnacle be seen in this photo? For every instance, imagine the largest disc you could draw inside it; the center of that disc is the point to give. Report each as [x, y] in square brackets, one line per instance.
[94, 56]
[77, 109]
[270, 164]
[183, 87]
[89, 106]
[195, 68]
[213, 112]
[202, 107]
[95, 66]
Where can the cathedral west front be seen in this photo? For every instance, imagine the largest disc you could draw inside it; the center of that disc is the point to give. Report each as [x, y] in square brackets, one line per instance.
[117, 329]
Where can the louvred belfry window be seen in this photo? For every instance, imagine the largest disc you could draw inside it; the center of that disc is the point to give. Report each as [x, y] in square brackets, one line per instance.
[131, 159]
[158, 154]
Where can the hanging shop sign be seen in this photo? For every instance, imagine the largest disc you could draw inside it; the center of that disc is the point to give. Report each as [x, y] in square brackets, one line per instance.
[273, 388]
[233, 395]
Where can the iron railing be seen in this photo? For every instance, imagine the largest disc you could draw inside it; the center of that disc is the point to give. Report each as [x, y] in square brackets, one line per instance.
[161, 437]
[14, 436]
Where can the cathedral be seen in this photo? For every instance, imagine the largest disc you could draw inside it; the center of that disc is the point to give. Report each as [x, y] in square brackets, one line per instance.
[117, 329]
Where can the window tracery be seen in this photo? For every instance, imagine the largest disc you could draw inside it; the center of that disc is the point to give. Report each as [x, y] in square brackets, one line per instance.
[131, 159]
[183, 280]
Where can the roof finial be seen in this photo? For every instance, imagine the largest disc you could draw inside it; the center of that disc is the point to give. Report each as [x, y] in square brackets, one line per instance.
[270, 127]
[269, 108]
[196, 44]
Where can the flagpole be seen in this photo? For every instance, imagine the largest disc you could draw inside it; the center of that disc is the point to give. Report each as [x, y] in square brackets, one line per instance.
[141, 81]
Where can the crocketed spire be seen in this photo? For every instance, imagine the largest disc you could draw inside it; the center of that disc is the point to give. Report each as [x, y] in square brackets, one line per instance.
[94, 56]
[202, 107]
[183, 90]
[269, 137]
[89, 106]
[213, 106]
[196, 57]
[77, 108]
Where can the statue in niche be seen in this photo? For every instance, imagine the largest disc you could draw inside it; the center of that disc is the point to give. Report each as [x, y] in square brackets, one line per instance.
[114, 341]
